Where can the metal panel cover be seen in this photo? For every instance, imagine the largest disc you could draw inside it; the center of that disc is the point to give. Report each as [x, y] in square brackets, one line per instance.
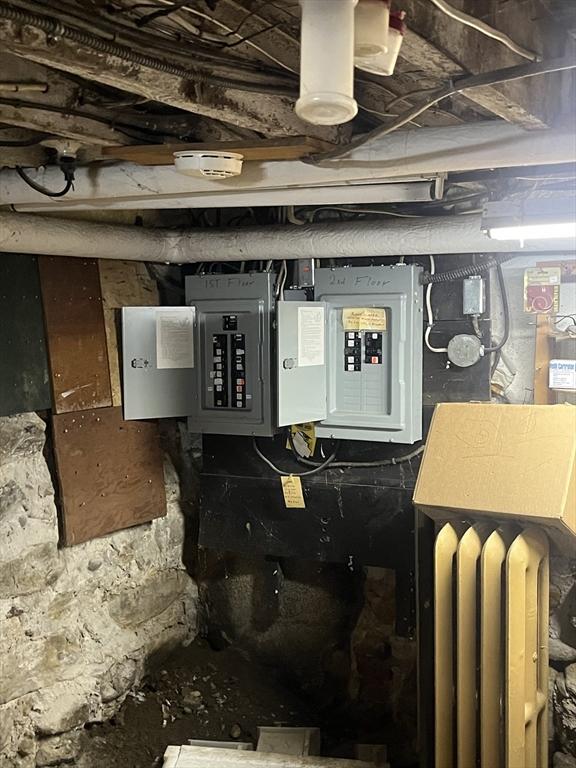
[151, 392]
[301, 362]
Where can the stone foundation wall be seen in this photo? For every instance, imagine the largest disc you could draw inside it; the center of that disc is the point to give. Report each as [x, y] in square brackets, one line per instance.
[562, 688]
[77, 625]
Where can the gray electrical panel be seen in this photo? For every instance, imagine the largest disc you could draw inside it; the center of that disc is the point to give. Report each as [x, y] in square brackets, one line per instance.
[210, 360]
[234, 377]
[373, 353]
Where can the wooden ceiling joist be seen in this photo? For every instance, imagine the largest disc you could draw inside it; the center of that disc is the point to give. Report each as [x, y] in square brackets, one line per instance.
[266, 149]
[270, 115]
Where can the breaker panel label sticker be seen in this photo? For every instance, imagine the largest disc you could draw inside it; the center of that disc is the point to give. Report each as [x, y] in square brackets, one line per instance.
[364, 319]
[293, 494]
[175, 337]
[562, 374]
[310, 336]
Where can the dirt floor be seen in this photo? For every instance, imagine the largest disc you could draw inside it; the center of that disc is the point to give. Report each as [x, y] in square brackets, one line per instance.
[198, 693]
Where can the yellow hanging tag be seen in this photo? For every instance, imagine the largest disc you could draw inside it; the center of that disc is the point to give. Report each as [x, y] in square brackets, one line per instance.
[293, 494]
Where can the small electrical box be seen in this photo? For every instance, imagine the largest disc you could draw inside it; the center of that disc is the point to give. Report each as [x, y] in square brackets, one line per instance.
[473, 295]
[373, 353]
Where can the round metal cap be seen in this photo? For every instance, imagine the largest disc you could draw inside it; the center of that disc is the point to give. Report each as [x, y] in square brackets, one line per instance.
[464, 350]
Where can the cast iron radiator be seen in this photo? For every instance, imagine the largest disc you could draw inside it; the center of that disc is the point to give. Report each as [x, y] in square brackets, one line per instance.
[491, 646]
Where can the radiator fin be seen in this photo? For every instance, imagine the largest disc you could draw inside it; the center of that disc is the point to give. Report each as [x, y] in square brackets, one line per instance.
[491, 646]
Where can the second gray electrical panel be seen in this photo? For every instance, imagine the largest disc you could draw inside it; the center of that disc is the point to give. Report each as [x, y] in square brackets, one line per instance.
[373, 353]
[232, 389]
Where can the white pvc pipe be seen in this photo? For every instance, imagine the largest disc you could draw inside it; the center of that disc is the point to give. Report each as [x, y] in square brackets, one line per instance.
[25, 233]
[327, 62]
[371, 19]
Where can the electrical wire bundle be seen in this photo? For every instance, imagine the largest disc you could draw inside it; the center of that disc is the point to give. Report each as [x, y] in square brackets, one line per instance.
[330, 462]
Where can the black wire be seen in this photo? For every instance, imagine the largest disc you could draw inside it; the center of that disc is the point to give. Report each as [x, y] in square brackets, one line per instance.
[43, 190]
[143, 20]
[470, 269]
[136, 131]
[26, 142]
[317, 467]
[560, 318]
[506, 309]
[349, 464]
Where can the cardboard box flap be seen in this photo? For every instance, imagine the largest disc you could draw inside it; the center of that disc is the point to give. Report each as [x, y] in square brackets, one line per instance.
[516, 460]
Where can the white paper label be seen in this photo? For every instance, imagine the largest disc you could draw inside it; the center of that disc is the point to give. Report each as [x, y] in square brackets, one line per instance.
[562, 374]
[310, 336]
[175, 337]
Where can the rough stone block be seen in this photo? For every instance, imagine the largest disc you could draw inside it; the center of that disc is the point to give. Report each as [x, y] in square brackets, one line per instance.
[565, 710]
[58, 749]
[20, 437]
[37, 569]
[62, 707]
[134, 606]
[562, 760]
[63, 660]
[30, 664]
[11, 499]
[118, 681]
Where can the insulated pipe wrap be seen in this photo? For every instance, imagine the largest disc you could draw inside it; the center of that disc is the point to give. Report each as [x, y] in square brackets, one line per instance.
[28, 233]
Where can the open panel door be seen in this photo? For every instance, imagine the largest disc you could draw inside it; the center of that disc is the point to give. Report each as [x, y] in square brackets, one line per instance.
[301, 362]
[158, 361]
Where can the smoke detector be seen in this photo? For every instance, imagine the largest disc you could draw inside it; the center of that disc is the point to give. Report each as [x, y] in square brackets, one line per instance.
[213, 165]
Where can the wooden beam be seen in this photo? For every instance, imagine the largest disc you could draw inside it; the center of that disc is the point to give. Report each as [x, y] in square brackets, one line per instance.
[543, 395]
[440, 45]
[265, 149]
[52, 111]
[82, 129]
[268, 114]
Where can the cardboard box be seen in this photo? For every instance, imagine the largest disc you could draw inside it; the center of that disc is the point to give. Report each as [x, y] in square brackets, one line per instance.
[509, 462]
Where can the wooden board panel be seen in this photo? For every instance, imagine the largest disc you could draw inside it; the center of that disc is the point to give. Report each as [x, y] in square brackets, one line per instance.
[110, 473]
[76, 335]
[293, 148]
[123, 284]
[543, 395]
[24, 384]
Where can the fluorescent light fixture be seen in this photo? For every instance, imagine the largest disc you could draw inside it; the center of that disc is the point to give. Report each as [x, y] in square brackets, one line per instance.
[534, 231]
[532, 219]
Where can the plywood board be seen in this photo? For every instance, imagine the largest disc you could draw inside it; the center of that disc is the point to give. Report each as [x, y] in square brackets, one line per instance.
[24, 384]
[75, 332]
[123, 284]
[293, 148]
[110, 472]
